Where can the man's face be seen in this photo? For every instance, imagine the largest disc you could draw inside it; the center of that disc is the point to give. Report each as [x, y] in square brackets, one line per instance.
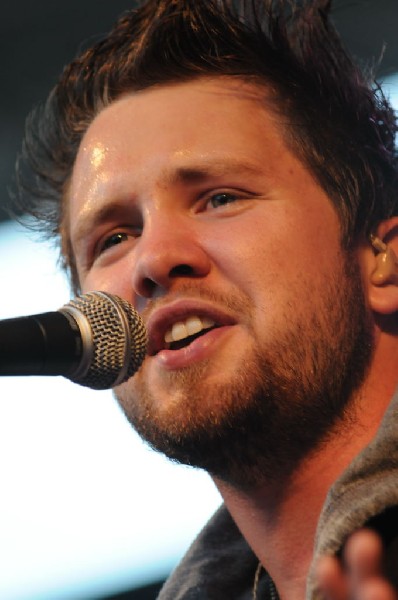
[186, 201]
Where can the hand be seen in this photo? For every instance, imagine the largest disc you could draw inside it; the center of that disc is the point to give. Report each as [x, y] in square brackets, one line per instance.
[358, 576]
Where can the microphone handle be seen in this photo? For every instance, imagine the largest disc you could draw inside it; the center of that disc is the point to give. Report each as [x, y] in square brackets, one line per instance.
[31, 345]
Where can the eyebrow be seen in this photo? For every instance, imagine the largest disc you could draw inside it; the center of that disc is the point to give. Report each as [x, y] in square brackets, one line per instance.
[216, 168]
[194, 174]
[93, 219]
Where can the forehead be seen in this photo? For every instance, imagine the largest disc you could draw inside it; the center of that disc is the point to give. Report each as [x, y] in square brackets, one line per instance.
[171, 126]
[151, 137]
[175, 119]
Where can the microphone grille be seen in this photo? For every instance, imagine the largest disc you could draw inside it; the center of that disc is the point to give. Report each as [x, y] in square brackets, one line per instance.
[116, 341]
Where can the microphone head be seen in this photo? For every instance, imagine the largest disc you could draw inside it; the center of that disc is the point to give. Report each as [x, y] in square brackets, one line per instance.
[114, 339]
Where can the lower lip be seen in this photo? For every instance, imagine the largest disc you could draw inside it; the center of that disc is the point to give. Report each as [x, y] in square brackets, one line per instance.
[198, 350]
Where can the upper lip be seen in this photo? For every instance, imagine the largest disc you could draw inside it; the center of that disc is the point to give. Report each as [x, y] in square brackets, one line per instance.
[161, 319]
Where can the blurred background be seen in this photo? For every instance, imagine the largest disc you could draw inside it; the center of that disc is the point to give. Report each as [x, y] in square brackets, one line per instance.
[87, 511]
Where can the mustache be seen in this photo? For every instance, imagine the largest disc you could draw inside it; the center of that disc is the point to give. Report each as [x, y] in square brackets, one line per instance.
[234, 301]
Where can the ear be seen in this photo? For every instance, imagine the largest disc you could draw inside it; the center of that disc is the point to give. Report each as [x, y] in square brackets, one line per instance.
[382, 268]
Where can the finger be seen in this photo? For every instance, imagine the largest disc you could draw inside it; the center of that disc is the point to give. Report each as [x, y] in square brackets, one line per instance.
[363, 556]
[376, 589]
[330, 579]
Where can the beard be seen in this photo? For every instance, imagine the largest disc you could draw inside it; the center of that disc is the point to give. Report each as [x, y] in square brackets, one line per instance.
[282, 403]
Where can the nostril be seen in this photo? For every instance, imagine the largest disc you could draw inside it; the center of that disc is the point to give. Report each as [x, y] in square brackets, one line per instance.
[181, 270]
[148, 287]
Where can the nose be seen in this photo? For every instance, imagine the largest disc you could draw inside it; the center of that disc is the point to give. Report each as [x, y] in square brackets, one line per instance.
[167, 250]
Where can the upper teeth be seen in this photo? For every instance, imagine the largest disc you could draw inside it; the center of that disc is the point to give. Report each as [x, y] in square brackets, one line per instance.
[184, 329]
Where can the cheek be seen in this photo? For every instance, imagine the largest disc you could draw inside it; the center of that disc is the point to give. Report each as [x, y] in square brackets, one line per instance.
[115, 279]
[249, 255]
[277, 262]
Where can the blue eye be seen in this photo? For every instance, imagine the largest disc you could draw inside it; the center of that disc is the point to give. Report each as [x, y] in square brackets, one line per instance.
[222, 199]
[113, 240]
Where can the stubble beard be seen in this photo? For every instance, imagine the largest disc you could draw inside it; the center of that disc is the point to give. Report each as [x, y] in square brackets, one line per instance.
[282, 403]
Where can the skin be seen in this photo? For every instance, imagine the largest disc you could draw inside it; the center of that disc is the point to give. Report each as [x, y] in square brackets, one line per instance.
[362, 560]
[135, 171]
[151, 169]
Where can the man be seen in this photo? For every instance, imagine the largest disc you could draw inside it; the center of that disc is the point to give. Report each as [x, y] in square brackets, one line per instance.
[230, 173]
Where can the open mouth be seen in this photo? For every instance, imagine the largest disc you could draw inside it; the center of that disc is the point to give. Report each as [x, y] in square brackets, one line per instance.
[188, 340]
[179, 325]
[183, 333]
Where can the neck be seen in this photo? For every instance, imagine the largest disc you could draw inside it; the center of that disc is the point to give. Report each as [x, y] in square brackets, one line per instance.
[278, 519]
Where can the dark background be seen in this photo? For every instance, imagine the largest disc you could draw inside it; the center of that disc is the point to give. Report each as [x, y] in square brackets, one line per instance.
[38, 37]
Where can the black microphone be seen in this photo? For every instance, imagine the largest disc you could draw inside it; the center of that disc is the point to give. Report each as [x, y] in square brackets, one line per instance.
[97, 340]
